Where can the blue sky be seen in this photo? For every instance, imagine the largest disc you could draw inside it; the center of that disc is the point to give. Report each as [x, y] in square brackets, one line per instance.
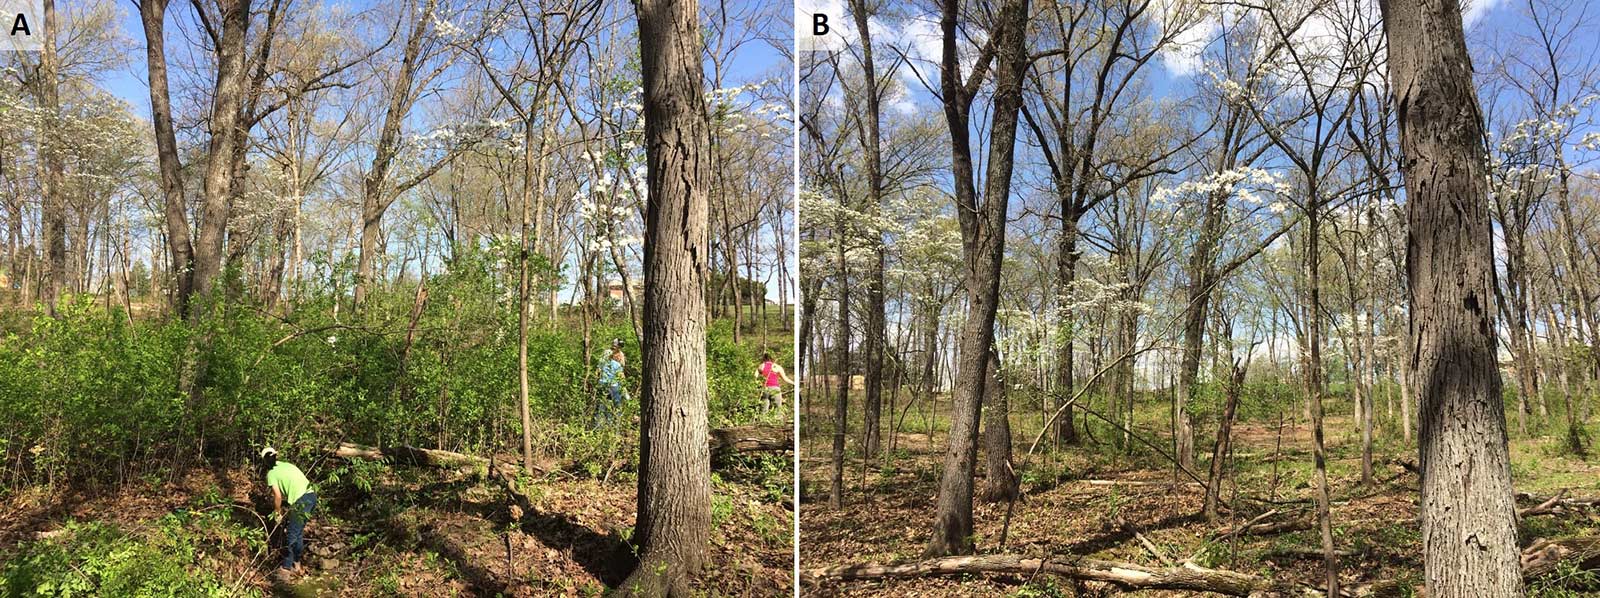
[753, 61]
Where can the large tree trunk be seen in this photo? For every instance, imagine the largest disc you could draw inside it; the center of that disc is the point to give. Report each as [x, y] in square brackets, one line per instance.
[674, 464]
[876, 321]
[1469, 531]
[1066, 273]
[983, 240]
[225, 119]
[1000, 478]
[51, 183]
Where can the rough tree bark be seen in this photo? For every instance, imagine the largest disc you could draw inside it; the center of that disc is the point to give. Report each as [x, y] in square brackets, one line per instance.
[1469, 530]
[1219, 450]
[674, 464]
[983, 244]
[876, 321]
[52, 190]
[217, 177]
[1000, 478]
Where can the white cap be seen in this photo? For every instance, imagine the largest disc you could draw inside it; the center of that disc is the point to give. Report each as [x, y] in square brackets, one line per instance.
[268, 451]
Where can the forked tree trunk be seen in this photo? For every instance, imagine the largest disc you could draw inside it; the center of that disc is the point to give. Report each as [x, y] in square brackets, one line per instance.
[1219, 450]
[226, 117]
[983, 241]
[1469, 534]
[377, 193]
[674, 464]
[1201, 273]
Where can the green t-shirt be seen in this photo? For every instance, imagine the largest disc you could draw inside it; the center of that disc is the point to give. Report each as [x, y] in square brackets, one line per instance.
[289, 481]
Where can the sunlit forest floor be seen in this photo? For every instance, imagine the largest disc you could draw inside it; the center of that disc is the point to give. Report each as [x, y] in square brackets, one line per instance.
[1098, 500]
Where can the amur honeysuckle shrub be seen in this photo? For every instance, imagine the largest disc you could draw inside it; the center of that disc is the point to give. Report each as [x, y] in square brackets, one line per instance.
[92, 398]
[102, 559]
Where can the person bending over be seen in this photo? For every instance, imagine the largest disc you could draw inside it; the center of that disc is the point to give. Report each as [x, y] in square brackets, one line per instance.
[293, 500]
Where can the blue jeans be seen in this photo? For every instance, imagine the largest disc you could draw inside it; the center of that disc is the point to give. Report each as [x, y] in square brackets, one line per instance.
[296, 541]
[605, 414]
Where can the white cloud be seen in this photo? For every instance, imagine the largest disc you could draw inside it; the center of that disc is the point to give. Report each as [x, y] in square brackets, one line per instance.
[1183, 57]
[903, 104]
[1472, 10]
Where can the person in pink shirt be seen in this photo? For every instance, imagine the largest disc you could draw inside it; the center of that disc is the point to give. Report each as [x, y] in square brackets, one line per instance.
[772, 389]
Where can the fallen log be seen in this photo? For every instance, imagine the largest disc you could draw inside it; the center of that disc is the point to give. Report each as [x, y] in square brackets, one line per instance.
[722, 441]
[750, 439]
[1260, 528]
[1541, 560]
[1156, 483]
[1554, 505]
[503, 472]
[1543, 557]
[1125, 576]
[1545, 507]
[410, 455]
[1308, 553]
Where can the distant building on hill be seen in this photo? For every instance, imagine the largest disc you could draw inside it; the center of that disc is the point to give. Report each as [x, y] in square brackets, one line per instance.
[614, 290]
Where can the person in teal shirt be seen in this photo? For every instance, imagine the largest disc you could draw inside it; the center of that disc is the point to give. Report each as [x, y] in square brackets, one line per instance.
[289, 487]
[611, 383]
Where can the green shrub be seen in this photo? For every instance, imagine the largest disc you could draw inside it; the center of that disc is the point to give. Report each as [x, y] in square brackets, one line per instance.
[99, 559]
[95, 399]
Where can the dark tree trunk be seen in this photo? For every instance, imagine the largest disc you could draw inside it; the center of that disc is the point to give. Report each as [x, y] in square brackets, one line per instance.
[674, 462]
[1220, 449]
[1066, 273]
[841, 405]
[1000, 478]
[876, 321]
[809, 287]
[983, 243]
[1469, 534]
